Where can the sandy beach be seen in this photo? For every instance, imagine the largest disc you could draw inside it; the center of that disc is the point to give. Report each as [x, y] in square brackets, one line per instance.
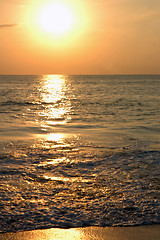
[151, 232]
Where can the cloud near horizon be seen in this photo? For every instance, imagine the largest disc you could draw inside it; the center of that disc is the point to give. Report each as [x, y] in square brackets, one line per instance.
[7, 25]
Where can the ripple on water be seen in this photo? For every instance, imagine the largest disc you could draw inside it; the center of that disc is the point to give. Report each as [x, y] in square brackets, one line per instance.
[48, 188]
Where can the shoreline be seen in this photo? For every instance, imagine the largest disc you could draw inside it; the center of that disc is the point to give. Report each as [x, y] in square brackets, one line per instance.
[145, 232]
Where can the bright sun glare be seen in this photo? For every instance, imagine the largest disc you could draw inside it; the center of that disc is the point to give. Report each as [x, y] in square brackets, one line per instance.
[56, 18]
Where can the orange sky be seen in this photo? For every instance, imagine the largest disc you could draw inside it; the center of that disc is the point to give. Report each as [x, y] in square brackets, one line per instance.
[108, 37]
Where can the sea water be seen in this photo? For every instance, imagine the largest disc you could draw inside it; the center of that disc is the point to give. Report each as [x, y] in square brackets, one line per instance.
[79, 151]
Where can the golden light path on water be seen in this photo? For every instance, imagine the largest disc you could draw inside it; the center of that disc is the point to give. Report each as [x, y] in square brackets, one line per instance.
[56, 112]
[71, 234]
[53, 94]
[56, 109]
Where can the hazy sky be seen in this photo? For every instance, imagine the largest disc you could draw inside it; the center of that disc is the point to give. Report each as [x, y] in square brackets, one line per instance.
[107, 37]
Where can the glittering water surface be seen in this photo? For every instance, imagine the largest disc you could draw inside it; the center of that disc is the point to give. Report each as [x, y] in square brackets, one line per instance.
[79, 151]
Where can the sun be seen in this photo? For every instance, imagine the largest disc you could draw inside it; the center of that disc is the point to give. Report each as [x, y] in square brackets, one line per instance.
[56, 24]
[56, 18]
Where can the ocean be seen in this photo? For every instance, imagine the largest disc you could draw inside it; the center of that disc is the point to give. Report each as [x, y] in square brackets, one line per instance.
[79, 151]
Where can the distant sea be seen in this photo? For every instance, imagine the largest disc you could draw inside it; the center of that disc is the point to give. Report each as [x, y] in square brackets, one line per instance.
[79, 151]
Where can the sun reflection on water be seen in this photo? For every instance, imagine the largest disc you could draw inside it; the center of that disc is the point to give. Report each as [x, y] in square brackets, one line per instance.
[52, 88]
[58, 234]
[56, 107]
[57, 137]
[54, 111]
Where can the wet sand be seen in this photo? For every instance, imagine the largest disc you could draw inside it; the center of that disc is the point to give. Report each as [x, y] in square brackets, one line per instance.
[89, 233]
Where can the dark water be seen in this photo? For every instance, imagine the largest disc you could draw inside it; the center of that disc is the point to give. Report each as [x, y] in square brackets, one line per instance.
[79, 151]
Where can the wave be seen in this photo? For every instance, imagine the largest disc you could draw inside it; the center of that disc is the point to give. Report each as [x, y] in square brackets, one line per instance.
[74, 188]
[24, 103]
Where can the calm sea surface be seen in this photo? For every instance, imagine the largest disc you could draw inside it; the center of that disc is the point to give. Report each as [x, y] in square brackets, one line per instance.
[79, 151]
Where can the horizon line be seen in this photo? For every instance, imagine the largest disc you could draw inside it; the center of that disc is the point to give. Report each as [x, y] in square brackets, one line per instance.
[117, 74]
